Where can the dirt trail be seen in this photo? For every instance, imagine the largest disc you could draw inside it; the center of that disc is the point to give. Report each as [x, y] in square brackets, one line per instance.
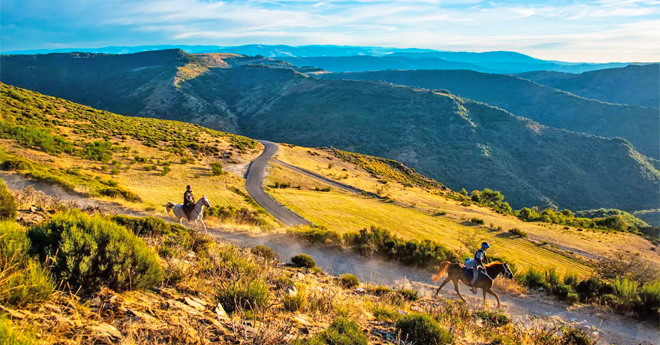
[532, 310]
[535, 309]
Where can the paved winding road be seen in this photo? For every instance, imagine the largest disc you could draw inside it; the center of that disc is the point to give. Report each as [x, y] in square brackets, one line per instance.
[254, 185]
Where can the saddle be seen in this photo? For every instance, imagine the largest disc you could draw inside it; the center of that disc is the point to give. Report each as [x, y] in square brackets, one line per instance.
[187, 209]
[469, 274]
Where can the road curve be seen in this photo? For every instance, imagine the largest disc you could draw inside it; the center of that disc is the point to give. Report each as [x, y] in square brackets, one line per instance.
[254, 185]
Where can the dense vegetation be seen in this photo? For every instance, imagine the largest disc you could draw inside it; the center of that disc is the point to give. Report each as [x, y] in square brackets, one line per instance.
[453, 140]
[92, 252]
[381, 242]
[546, 105]
[634, 85]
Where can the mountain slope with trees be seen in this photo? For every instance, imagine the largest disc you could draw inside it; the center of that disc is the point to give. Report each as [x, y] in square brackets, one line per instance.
[548, 106]
[634, 85]
[462, 143]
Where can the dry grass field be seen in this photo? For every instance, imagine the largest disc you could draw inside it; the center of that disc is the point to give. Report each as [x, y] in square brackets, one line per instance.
[548, 244]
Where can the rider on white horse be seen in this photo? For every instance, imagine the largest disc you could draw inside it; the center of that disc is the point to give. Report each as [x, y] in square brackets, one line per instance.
[196, 209]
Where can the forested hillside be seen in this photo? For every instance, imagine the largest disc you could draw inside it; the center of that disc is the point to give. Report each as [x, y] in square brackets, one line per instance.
[634, 85]
[548, 106]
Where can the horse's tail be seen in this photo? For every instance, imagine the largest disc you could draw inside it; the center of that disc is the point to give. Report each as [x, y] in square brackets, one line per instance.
[443, 269]
[169, 207]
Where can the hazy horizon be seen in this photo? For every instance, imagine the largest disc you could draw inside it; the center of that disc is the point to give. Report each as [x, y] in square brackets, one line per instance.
[572, 31]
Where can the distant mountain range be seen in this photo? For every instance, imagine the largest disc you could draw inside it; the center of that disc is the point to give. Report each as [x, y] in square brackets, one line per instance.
[548, 106]
[352, 58]
[460, 142]
[635, 85]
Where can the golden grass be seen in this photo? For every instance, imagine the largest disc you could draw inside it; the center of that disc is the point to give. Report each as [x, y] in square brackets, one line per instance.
[588, 243]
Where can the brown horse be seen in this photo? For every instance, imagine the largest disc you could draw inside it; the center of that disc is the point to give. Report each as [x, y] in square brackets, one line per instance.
[456, 273]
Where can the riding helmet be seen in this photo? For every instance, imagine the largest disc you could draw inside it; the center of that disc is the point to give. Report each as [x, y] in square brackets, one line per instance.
[485, 245]
[188, 187]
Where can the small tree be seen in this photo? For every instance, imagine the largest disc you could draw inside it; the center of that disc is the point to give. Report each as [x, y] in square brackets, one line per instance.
[216, 169]
[7, 203]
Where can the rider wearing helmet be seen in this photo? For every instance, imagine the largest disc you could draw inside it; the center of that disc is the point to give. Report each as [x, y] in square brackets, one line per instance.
[480, 259]
[188, 201]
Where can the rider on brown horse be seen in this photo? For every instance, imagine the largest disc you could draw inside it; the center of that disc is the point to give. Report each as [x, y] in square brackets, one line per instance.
[480, 260]
[188, 201]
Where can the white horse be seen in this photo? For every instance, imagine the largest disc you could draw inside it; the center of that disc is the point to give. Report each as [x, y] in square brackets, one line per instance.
[196, 215]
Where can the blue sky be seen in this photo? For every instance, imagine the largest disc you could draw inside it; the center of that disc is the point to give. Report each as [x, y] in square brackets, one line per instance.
[598, 31]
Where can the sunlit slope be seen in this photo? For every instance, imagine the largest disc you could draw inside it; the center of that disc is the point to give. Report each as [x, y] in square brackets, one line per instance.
[154, 159]
[416, 211]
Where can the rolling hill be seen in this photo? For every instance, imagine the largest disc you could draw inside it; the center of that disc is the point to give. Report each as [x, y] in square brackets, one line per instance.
[348, 58]
[548, 106]
[462, 143]
[634, 84]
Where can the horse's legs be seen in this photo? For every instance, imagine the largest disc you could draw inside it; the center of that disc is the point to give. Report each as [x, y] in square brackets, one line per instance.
[181, 221]
[442, 285]
[458, 291]
[204, 225]
[485, 304]
[494, 294]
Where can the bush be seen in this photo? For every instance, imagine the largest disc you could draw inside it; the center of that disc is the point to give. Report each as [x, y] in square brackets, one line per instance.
[649, 298]
[381, 290]
[9, 335]
[385, 312]
[380, 241]
[532, 278]
[410, 295]
[216, 169]
[115, 192]
[23, 279]
[318, 235]
[295, 299]
[145, 226]
[165, 171]
[576, 336]
[423, 329]
[572, 298]
[342, 331]
[303, 260]
[477, 221]
[92, 252]
[264, 252]
[349, 281]
[8, 205]
[518, 232]
[551, 276]
[626, 290]
[494, 318]
[249, 295]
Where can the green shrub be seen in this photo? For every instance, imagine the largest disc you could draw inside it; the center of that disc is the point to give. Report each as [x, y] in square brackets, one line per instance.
[303, 260]
[551, 276]
[10, 335]
[249, 295]
[385, 312]
[381, 290]
[165, 171]
[626, 290]
[23, 280]
[494, 318]
[572, 298]
[423, 329]
[380, 241]
[295, 299]
[576, 336]
[349, 281]
[216, 169]
[8, 205]
[116, 192]
[518, 232]
[561, 291]
[15, 164]
[342, 331]
[649, 299]
[532, 278]
[318, 235]
[150, 226]
[571, 279]
[264, 252]
[410, 295]
[477, 221]
[92, 252]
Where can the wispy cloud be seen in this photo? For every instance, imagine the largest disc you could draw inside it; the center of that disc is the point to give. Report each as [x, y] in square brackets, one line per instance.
[572, 30]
